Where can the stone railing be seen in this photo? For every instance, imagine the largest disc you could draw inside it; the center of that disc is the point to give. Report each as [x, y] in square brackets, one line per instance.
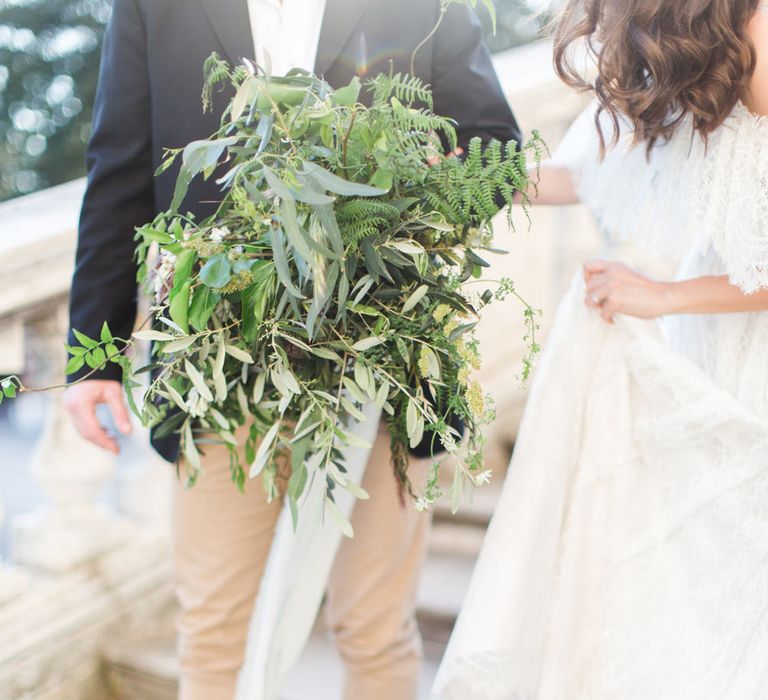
[81, 569]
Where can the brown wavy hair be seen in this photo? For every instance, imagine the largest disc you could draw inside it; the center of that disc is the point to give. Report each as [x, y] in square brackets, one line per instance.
[659, 61]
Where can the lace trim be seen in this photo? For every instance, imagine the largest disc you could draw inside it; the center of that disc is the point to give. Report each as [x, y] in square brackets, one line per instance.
[685, 196]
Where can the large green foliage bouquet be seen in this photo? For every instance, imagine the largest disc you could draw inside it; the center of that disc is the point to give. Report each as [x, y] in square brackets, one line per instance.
[335, 272]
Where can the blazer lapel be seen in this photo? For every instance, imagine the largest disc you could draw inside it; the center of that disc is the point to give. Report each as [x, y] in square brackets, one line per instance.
[231, 24]
[340, 19]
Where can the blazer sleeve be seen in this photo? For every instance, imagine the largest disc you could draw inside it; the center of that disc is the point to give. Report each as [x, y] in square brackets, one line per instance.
[119, 192]
[464, 82]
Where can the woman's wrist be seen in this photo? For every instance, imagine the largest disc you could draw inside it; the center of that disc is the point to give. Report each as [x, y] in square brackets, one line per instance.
[673, 298]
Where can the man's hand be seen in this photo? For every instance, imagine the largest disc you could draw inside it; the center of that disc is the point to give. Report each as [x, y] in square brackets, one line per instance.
[81, 400]
[435, 160]
[614, 288]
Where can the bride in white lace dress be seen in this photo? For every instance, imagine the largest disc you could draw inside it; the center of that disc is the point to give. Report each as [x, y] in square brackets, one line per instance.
[628, 558]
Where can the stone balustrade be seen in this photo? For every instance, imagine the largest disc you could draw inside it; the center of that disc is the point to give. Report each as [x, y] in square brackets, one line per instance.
[81, 570]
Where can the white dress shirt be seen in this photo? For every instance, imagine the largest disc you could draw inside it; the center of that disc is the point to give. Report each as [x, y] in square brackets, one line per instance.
[286, 33]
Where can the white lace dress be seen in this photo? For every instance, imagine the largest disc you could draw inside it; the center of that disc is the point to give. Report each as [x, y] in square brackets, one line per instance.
[628, 557]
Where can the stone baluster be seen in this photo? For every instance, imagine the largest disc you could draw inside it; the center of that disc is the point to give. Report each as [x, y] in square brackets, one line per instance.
[13, 580]
[72, 527]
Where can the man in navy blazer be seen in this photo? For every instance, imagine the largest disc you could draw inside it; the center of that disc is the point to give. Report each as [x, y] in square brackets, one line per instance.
[148, 98]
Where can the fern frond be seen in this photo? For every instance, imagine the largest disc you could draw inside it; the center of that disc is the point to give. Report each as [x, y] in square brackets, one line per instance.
[356, 210]
[406, 88]
[215, 71]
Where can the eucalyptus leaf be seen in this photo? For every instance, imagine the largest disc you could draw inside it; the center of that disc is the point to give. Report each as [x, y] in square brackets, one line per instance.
[264, 450]
[197, 380]
[217, 271]
[341, 521]
[334, 183]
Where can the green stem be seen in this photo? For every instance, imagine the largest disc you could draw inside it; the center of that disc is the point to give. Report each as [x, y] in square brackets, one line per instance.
[423, 42]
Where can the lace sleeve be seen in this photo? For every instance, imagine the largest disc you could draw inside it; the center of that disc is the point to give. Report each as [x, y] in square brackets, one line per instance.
[623, 188]
[732, 199]
[684, 195]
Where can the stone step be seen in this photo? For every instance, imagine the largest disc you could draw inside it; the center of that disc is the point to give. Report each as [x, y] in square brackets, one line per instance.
[151, 672]
[148, 670]
[141, 671]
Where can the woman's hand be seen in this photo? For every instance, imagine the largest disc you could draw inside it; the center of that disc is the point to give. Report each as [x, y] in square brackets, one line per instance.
[614, 288]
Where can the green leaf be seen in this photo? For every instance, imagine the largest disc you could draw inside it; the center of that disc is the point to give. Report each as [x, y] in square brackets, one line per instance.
[475, 258]
[197, 380]
[333, 183]
[9, 389]
[327, 218]
[299, 474]
[182, 270]
[176, 397]
[222, 422]
[381, 395]
[204, 301]
[432, 361]
[309, 194]
[354, 440]
[74, 364]
[245, 95]
[325, 353]
[368, 343]
[238, 354]
[276, 184]
[374, 263]
[99, 357]
[153, 335]
[407, 247]
[205, 153]
[197, 157]
[180, 344]
[281, 263]
[242, 399]
[190, 450]
[352, 410]
[352, 387]
[347, 96]
[383, 179]
[84, 339]
[336, 515]
[357, 491]
[258, 387]
[169, 425]
[106, 334]
[179, 308]
[415, 298]
[217, 271]
[295, 234]
[361, 376]
[264, 451]
[411, 418]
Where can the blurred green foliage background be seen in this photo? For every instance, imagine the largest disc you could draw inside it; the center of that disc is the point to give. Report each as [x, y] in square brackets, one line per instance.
[49, 57]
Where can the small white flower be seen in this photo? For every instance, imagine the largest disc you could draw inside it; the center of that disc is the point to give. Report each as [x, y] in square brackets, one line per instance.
[163, 273]
[422, 504]
[449, 443]
[217, 234]
[197, 406]
[238, 249]
[483, 478]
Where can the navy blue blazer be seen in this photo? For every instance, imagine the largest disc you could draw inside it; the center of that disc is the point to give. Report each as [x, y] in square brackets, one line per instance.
[148, 98]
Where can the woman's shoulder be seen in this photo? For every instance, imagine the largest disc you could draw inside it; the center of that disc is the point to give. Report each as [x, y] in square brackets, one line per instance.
[758, 32]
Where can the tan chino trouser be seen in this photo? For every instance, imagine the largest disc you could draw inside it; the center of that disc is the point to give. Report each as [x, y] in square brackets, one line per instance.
[221, 543]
